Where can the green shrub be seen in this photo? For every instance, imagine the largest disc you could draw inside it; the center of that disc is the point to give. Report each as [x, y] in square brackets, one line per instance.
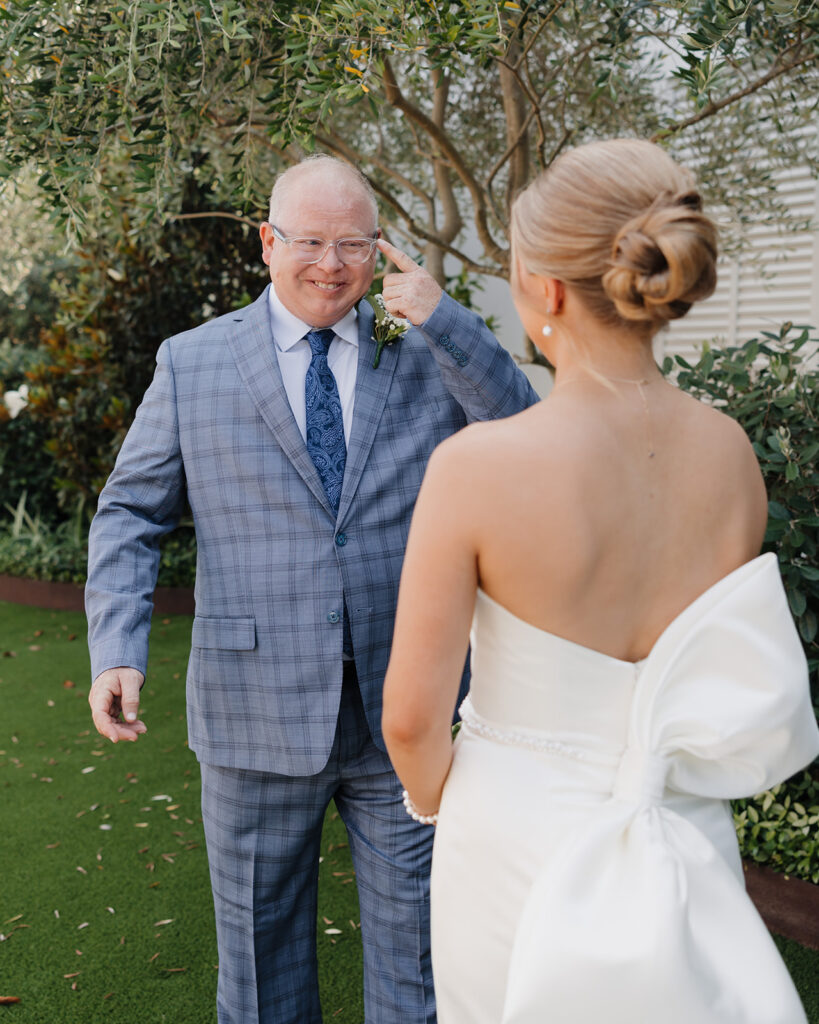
[37, 549]
[769, 386]
[98, 357]
[780, 827]
[25, 464]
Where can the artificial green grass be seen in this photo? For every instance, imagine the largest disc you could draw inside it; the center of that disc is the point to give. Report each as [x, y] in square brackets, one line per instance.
[105, 905]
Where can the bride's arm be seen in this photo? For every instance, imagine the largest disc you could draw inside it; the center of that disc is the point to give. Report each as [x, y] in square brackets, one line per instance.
[435, 604]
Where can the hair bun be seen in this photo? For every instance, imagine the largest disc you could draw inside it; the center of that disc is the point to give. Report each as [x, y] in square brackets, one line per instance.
[663, 260]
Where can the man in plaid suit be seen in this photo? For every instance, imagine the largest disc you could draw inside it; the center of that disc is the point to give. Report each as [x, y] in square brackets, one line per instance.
[296, 584]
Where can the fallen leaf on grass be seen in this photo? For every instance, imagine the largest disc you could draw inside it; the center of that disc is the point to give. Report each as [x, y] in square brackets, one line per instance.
[140, 824]
[326, 920]
[8, 1000]
[332, 931]
[82, 871]
[68, 684]
[90, 768]
[107, 995]
[174, 970]
[168, 920]
[11, 920]
[153, 958]
[34, 647]
[75, 974]
[83, 925]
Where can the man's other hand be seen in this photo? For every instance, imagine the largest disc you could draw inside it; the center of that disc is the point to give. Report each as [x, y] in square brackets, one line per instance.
[116, 692]
[412, 293]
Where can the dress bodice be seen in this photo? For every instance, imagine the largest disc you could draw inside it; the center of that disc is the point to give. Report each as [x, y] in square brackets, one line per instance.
[722, 698]
[526, 678]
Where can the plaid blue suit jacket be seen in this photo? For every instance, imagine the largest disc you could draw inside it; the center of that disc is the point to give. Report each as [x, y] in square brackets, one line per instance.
[273, 566]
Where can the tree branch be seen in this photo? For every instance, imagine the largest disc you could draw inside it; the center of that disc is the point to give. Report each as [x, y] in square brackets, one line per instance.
[714, 107]
[214, 213]
[451, 227]
[396, 98]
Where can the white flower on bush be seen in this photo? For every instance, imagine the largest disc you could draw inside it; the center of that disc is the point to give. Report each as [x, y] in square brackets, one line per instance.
[16, 401]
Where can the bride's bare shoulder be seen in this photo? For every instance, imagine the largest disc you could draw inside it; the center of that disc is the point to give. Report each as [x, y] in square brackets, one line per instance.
[725, 436]
[492, 442]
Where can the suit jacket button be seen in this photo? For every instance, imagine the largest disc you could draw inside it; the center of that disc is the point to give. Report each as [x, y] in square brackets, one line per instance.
[341, 539]
[333, 616]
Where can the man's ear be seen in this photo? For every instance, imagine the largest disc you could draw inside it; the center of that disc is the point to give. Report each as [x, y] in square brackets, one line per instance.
[268, 241]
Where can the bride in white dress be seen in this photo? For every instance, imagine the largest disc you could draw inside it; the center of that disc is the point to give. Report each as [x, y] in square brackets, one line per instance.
[634, 662]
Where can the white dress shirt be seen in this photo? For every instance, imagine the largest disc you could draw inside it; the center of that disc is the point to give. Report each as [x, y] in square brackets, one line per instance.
[294, 355]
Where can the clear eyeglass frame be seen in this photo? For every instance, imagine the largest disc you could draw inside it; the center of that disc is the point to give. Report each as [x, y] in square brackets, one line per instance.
[354, 250]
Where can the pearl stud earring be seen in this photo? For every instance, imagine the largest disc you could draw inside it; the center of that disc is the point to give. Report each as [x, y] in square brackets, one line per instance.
[546, 330]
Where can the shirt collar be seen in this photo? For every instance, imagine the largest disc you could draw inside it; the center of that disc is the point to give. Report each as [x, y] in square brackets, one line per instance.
[288, 330]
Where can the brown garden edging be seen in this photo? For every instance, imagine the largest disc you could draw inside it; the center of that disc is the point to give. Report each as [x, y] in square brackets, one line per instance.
[789, 906]
[68, 597]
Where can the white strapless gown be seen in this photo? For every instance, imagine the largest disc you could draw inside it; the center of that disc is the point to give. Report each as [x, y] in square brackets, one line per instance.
[585, 868]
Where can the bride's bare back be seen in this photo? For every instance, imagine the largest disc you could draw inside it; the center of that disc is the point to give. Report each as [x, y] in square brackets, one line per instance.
[580, 531]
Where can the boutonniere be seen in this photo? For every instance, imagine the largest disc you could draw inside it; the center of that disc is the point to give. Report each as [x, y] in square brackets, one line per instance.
[387, 328]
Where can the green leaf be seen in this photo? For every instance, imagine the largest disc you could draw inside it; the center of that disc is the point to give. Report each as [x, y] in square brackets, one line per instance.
[778, 511]
[797, 602]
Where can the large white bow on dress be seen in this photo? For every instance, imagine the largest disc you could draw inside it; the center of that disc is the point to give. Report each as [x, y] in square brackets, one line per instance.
[639, 919]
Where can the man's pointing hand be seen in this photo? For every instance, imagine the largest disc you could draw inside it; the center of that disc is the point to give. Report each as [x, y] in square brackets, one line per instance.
[412, 293]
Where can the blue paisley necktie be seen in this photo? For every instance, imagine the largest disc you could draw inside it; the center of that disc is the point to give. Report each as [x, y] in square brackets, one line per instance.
[325, 427]
[325, 431]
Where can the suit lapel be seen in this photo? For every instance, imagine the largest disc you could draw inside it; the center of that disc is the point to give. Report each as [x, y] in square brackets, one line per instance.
[371, 390]
[253, 349]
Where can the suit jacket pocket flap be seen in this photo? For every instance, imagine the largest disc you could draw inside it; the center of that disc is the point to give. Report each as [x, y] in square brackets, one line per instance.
[226, 634]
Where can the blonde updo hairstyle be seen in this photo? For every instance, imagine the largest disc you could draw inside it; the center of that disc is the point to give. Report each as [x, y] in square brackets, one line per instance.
[622, 224]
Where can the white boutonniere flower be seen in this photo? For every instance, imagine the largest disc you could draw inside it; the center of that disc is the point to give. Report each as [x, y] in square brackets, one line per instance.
[387, 328]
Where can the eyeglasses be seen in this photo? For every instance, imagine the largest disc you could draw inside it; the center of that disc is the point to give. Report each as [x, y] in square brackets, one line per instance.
[312, 250]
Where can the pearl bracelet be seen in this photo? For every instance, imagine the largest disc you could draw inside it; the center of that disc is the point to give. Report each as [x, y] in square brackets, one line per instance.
[412, 811]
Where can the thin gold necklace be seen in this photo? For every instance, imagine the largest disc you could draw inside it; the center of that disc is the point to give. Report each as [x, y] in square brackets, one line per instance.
[640, 383]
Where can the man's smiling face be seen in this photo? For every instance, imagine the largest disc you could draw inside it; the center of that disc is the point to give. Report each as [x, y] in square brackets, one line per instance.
[320, 293]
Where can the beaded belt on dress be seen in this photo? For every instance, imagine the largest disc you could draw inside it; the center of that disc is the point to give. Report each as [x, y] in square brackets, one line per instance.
[538, 742]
